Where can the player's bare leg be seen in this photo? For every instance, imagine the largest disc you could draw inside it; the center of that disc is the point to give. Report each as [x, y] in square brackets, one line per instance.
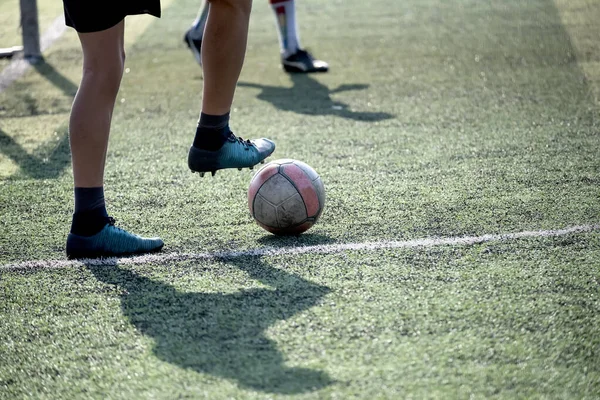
[223, 50]
[91, 113]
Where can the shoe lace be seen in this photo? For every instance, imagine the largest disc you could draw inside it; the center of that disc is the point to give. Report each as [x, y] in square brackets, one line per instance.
[111, 221]
[305, 53]
[245, 142]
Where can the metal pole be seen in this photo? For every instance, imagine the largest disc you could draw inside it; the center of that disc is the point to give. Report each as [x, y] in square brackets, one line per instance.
[31, 31]
[8, 52]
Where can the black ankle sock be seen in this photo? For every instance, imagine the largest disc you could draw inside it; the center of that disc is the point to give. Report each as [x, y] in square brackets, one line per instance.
[212, 131]
[90, 214]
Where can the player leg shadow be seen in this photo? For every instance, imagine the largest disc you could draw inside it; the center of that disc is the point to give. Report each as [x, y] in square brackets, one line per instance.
[53, 76]
[311, 97]
[52, 157]
[50, 162]
[223, 334]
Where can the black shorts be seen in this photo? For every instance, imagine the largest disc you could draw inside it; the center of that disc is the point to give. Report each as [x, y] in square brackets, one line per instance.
[98, 15]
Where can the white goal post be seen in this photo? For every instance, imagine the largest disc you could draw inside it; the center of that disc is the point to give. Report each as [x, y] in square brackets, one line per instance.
[31, 34]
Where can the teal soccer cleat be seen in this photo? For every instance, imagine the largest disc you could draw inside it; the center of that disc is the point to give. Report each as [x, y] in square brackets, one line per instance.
[235, 153]
[110, 242]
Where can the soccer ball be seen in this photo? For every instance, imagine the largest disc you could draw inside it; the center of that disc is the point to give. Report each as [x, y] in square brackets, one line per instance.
[286, 197]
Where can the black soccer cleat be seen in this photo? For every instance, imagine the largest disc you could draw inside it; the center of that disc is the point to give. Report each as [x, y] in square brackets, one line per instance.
[195, 45]
[303, 62]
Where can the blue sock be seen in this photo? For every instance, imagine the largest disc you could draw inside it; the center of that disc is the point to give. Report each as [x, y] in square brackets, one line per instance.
[90, 214]
[212, 131]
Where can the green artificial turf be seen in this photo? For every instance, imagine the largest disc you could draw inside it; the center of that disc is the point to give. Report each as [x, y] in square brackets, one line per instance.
[437, 119]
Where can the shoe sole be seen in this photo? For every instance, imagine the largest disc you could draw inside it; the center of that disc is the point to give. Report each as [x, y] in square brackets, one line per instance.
[99, 254]
[297, 70]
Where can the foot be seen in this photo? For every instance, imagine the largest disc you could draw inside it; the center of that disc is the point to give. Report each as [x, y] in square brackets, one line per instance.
[110, 242]
[302, 61]
[235, 153]
[195, 45]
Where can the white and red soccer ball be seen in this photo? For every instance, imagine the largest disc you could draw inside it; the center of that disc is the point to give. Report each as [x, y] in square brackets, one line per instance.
[286, 197]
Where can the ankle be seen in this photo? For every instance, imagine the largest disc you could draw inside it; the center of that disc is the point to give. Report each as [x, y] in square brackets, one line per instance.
[212, 131]
[90, 222]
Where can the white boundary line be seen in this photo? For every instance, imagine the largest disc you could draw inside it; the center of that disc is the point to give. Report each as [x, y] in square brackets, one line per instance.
[316, 249]
[18, 67]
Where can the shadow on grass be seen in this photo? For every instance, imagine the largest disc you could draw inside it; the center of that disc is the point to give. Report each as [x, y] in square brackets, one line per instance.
[48, 71]
[305, 239]
[53, 157]
[57, 156]
[222, 334]
[309, 96]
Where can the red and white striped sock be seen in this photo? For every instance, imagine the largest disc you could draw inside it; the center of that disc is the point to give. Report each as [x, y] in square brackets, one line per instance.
[285, 14]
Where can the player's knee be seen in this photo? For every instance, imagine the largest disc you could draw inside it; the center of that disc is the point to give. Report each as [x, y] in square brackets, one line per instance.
[105, 76]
